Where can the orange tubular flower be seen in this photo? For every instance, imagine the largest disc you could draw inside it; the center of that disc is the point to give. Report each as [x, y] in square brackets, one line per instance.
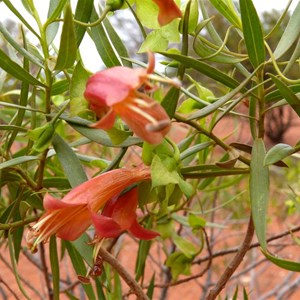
[70, 217]
[118, 215]
[115, 91]
[168, 11]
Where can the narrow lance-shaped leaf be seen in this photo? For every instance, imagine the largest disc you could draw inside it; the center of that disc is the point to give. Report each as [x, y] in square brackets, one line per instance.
[259, 191]
[288, 94]
[68, 46]
[82, 13]
[54, 11]
[16, 71]
[69, 161]
[20, 49]
[103, 43]
[203, 68]
[227, 9]
[54, 267]
[277, 153]
[253, 34]
[290, 35]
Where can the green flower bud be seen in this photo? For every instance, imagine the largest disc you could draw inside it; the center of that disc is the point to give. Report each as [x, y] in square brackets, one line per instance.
[114, 4]
[42, 136]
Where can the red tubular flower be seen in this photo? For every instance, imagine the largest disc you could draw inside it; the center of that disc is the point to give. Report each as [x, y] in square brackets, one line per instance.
[70, 217]
[168, 11]
[118, 215]
[115, 92]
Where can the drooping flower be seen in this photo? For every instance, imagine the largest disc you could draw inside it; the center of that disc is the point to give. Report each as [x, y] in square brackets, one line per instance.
[115, 91]
[69, 217]
[168, 11]
[118, 215]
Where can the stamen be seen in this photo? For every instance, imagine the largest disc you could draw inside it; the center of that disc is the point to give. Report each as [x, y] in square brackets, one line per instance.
[172, 81]
[142, 113]
[159, 126]
[142, 103]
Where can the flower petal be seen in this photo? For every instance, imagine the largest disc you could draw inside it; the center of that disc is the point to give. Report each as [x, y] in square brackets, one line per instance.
[76, 226]
[107, 121]
[168, 11]
[141, 233]
[113, 85]
[138, 121]
[124, 209]
[105, 226]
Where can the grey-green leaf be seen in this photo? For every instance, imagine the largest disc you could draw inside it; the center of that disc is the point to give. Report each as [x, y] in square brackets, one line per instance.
[287, 93]
[68, 46]
[16, 71]
[259, 191]
[253, 34]
[203, 68]
[69, 161]
[277, 153]
[290, 35]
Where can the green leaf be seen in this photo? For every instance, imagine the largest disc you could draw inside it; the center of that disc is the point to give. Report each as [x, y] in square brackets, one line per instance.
[20, 49]
[164, 171]
[100, 136]
[17, 161]
[288, 94]
[15, 11]
[60, 87]
[54, 267]
[194, 149]
[277, 153]
[144, 248]
[290, 35]
[253, 34]
[83, 13]
[259, 191]
[187, 247]
[276, 95]
[227, 9]
[103, 43]
[203, 68]
[54, 11]
[150, 289]
[147, 12]
[155, 41]
[196, 222]
[14, 265]
[117, 43]
[169, 102]
[68, 45]
[84, 249]
[80, 268]
[179, 264]
[78, 103]
[220, 102]
[69, 161]
[17, 71]
[282, 263]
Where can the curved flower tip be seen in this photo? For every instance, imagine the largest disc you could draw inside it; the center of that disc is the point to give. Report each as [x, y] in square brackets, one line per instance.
[115, 91]
[119, 215]
[69, 217]
[168, 11]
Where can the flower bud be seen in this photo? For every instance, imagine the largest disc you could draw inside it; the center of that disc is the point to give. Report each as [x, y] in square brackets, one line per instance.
[114, 4]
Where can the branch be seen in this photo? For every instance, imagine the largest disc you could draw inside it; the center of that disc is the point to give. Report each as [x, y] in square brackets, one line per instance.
[136, 288]
[214, 292]
[254, 245]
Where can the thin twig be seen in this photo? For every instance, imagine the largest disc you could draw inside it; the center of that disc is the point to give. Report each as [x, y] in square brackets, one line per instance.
[214, 292]
[254, 245]
[136, 288]
[45, 271]
[8, 287]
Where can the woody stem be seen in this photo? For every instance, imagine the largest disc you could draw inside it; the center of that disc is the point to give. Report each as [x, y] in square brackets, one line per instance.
[136, 288]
